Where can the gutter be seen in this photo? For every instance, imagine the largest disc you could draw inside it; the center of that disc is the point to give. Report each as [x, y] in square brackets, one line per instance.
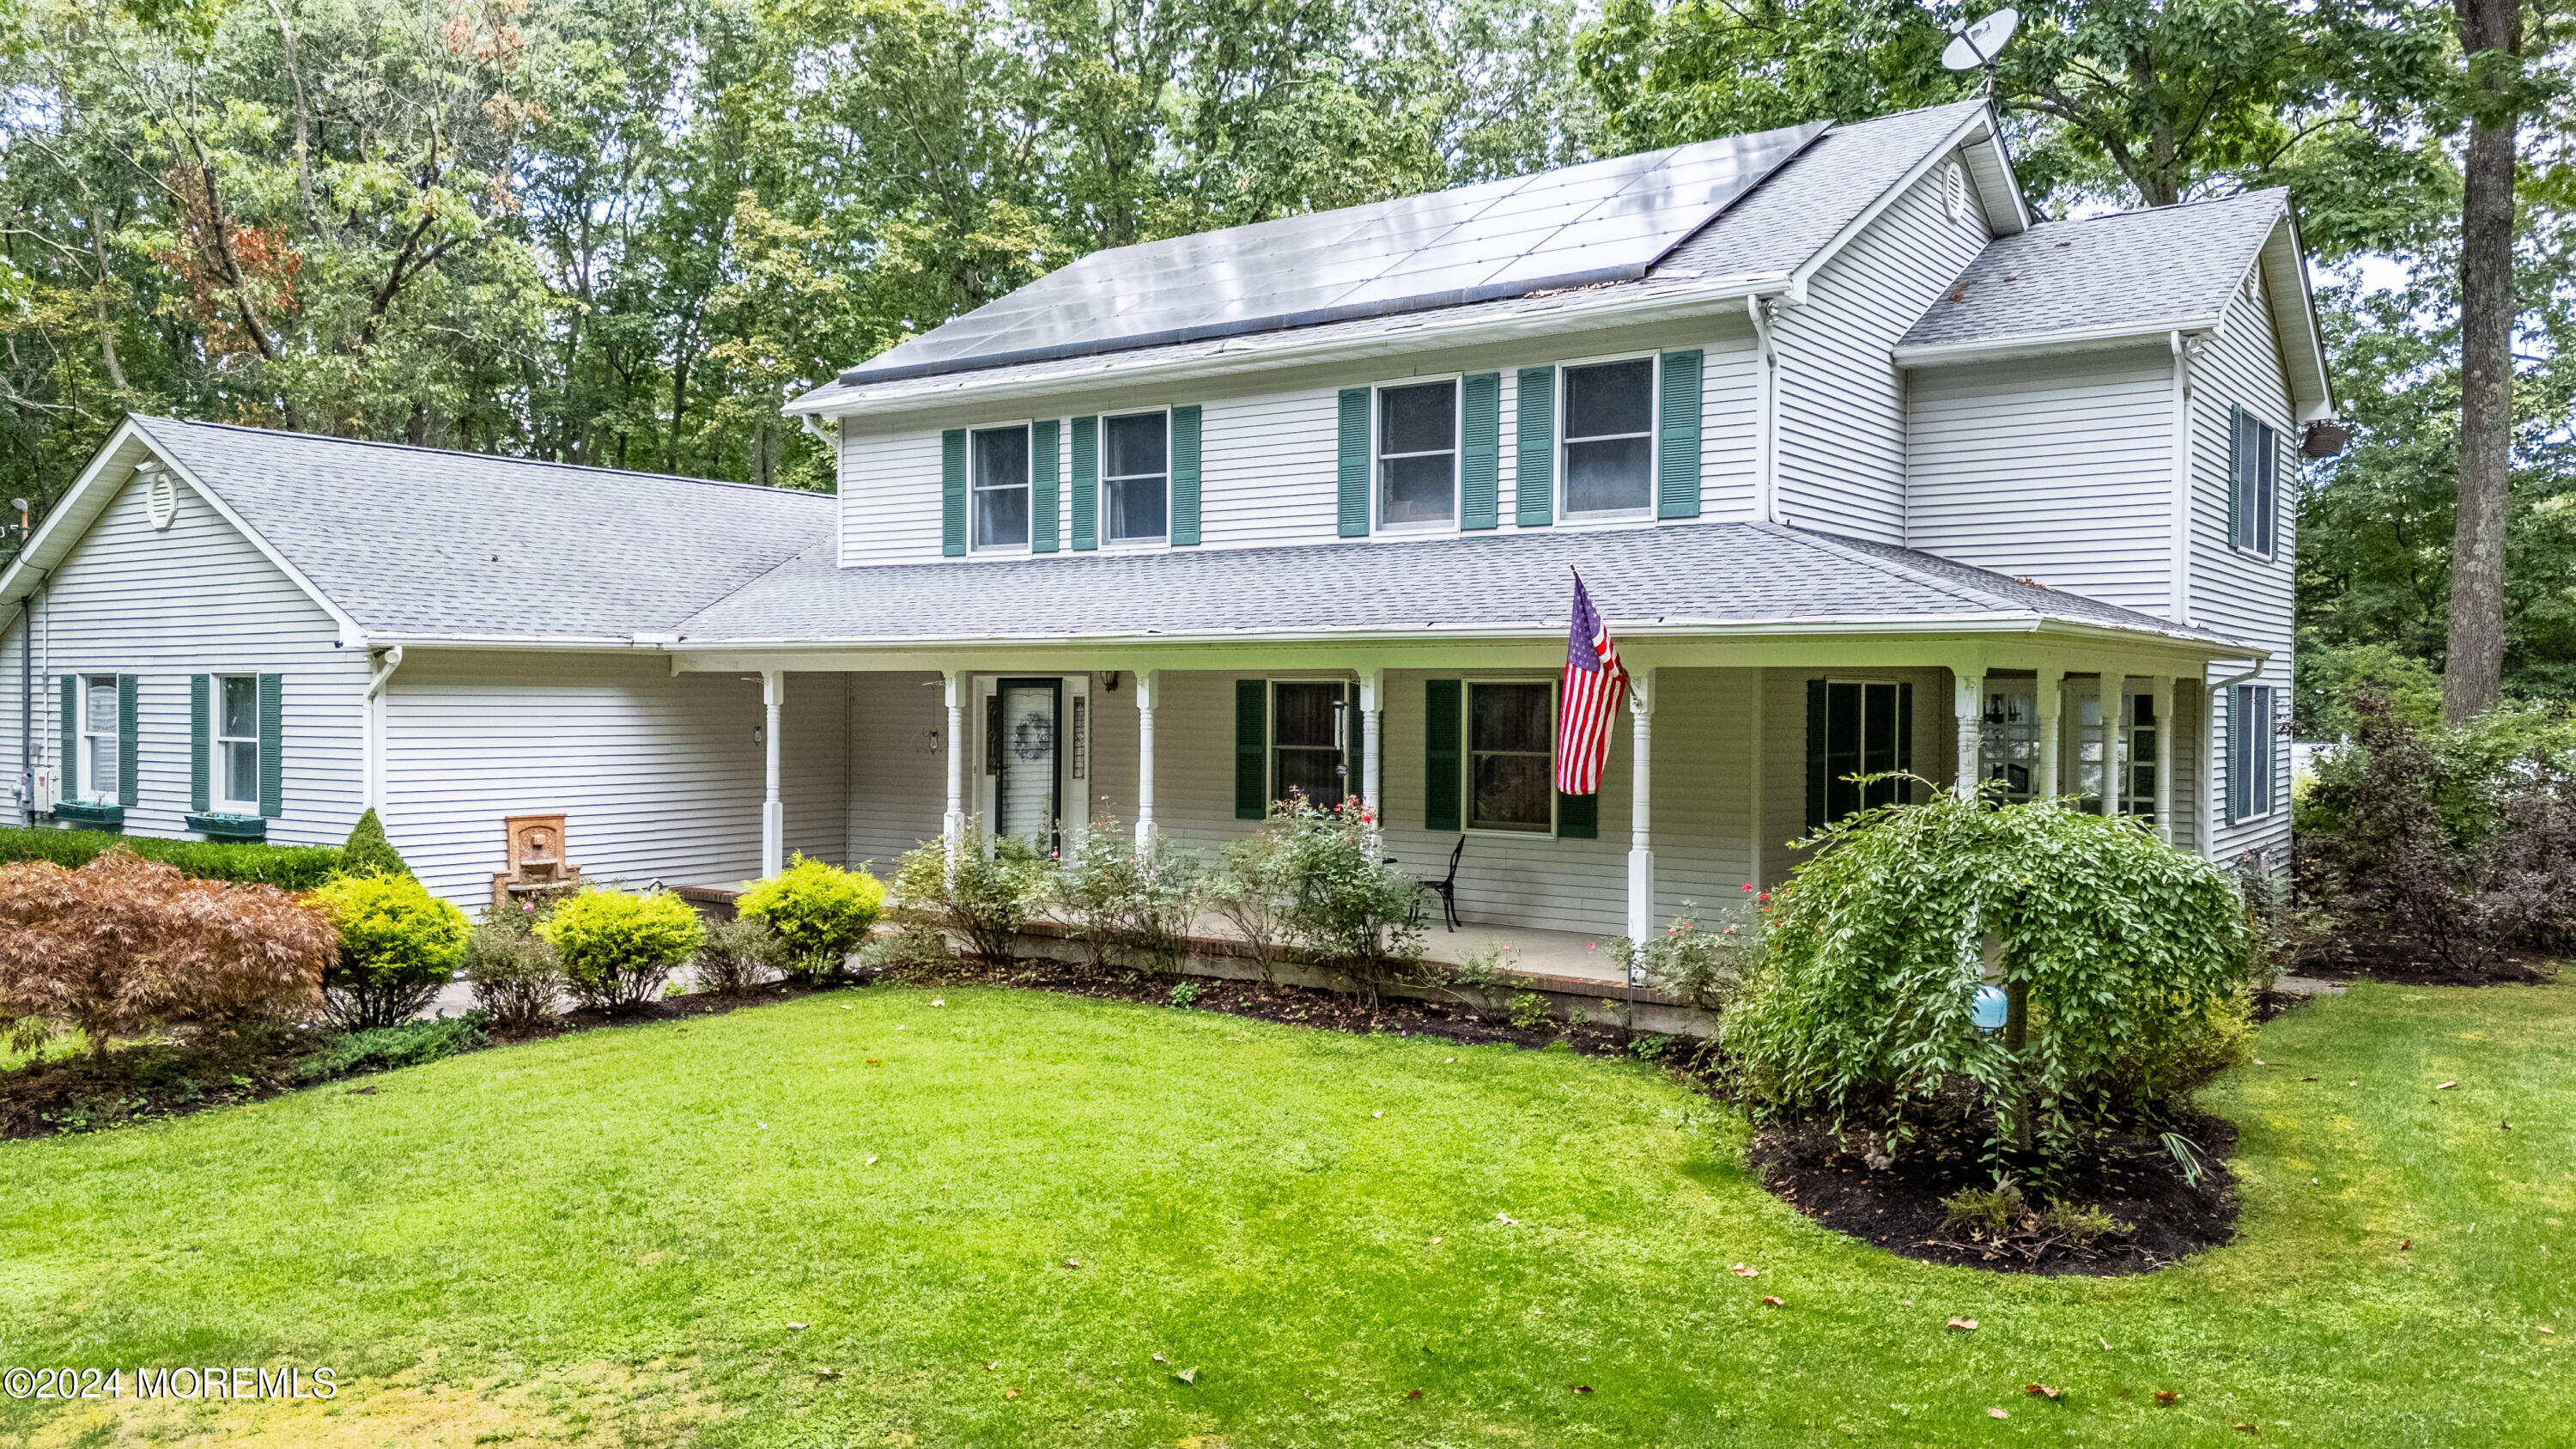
[2044, 344]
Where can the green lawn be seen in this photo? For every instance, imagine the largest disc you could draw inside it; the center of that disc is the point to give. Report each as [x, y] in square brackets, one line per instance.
[604, 1238]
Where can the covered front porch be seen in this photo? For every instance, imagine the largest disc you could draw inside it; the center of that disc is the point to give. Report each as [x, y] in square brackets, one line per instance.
[1734, 746]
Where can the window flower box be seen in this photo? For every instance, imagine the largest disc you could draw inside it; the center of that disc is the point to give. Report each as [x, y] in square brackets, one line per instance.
[229, 827]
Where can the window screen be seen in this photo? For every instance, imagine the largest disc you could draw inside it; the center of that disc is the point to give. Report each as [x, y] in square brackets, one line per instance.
[1417, 453]
[1610, 437]
[1511, 756]
[1002, 487]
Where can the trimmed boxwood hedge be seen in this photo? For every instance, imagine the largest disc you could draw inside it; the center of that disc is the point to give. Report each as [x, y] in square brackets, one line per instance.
[294, 867]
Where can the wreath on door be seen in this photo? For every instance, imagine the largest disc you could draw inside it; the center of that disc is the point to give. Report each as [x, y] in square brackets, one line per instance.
[1033, 739]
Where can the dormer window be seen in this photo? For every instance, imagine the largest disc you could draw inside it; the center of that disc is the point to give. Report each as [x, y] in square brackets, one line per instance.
[1001, 458]
[1417, 455]
[1610, 438]
[1136, 474]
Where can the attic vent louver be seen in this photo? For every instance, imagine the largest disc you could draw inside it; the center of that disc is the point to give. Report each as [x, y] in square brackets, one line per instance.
[1954, 191]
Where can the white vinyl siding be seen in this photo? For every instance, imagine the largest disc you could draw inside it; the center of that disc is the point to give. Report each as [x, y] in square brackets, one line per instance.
[2243, 595]
[2058, 469]
[1842, 402]
[167, 605]
[658, 775]
[1269, 457]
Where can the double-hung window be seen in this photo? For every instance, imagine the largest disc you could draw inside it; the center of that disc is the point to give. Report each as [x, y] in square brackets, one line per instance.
[2253, 482]
[1309, 738]
[236, 744]
[2250, 752]
[1137, 474]
[1511, 762]
[1417, 455]
[1855, 727]
[99, 738]
[1001, 487]
[1610, 438]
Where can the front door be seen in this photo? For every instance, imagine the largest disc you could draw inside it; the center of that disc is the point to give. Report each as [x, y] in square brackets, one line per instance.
[1022, 757]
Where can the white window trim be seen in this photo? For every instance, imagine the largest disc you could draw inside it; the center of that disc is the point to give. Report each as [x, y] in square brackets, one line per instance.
[1457, 453]
[1564, 441]
[2265, 549]
[2268, 747]
[1028, 485]
[1350, 724]
[1100, 507]
[1467, 757]
[216, 739]
[91, 741]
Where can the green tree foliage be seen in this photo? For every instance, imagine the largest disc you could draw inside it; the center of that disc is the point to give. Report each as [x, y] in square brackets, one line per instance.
[617, 948]
[623, 232]
[820, 913]
[2110, 944]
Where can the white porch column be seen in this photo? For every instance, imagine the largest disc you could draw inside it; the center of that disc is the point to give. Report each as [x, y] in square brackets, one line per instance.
[2164, 757]
[1372, 740]
[773, 814]
[1147, 686]
[1641, 806]
[1968, 702]
[2052, 695]
[2113, 684]
[952, 825]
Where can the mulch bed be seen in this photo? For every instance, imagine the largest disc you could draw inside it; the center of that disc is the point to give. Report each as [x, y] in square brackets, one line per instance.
[1301, 1005]
[1899, 1208]
[2361, 954]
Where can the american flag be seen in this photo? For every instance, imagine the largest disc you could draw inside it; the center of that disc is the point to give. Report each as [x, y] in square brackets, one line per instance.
[1595, 684]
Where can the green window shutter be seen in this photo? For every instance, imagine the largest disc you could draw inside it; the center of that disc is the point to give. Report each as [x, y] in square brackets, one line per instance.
[1440, 782]
[1045, 471]
[129, 745]
[1817, 710]
[1353, 511]
[1086, 484]
[1251, 749]
[1185, 476]
[1578, 817]
[1534, 471]
[952, 492]
[272, 728]
[1480, 480]
[68, 781]
[1677, 440]
[201, 721]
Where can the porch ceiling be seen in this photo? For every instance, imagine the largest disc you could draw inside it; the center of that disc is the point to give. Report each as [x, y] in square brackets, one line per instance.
[1723, 578]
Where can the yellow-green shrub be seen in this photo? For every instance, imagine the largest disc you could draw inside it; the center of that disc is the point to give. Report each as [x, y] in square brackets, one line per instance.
[820, 913]
[617, 948]
[398, 945]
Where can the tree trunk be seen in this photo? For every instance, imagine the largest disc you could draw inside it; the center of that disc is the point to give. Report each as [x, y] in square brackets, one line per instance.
[2473, 669]
[2017, 1041]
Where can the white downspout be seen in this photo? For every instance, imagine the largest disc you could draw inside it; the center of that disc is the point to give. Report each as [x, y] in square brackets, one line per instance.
[1766, 483]
[372, 788]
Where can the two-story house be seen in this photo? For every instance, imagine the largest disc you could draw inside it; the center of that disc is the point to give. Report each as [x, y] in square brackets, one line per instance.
[1866, 470]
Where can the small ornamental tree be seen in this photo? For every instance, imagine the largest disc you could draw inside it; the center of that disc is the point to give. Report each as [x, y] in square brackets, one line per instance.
[2110, 945]
[618, 948]
[820, 914]
[398, 945]
[979, 888]
[367, 852]
[1349, 910]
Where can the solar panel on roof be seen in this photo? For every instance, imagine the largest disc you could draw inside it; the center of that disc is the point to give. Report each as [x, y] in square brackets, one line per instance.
[1600, 222]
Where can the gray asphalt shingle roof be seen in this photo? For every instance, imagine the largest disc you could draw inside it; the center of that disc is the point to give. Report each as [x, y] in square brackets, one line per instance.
[1717, 574]
[2130, 268]
[424, 541]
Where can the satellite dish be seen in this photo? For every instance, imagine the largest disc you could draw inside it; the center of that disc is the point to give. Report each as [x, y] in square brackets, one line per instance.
[1979, 44]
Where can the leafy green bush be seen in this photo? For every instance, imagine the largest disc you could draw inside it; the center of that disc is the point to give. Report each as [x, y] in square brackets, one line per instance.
[820, 914]
[288, 867]
[1349, 910]
[737, 955]
[978, 889]
[1699, 965]
[1090, 890]
[517, 976]
[384, 1048]
[617, 948]
[398, 945]
[1252, 891]
[367, 852]
[1486, 980]
[1859, 1006]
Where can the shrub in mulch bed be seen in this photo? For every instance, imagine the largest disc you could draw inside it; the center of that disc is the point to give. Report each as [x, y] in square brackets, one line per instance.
[1901, 1206]
[1600, 1036]
[2359, 953]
